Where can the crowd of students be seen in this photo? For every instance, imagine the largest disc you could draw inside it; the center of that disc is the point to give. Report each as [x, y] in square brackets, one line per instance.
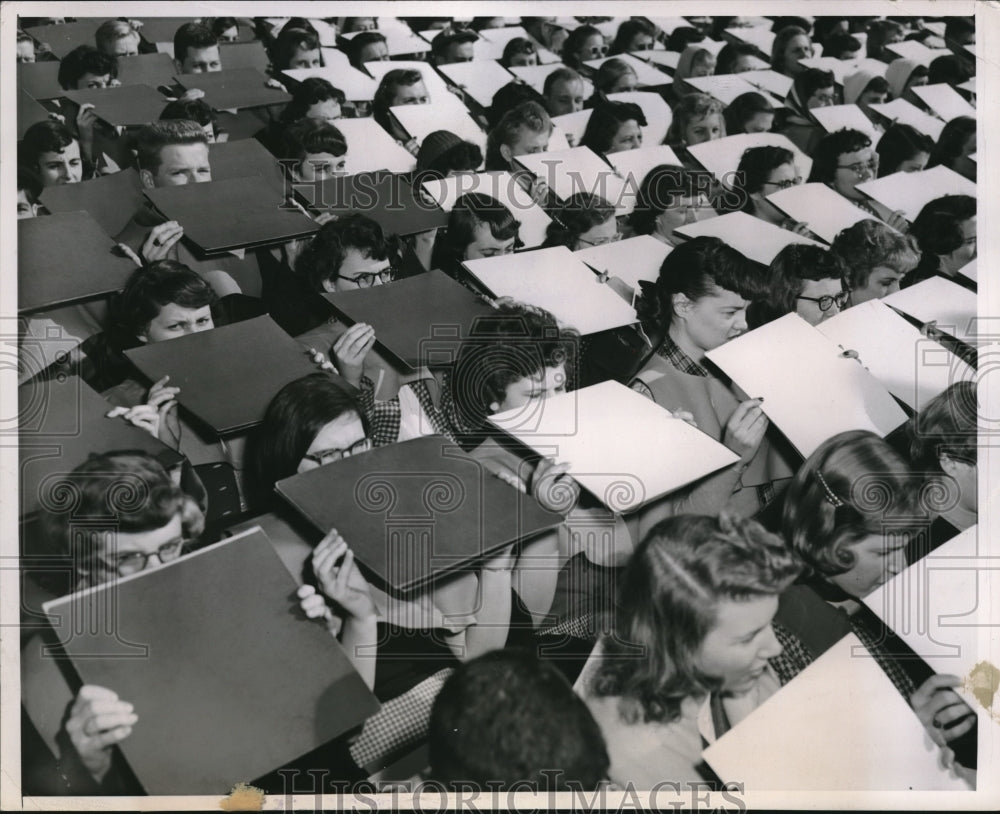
[728, 588]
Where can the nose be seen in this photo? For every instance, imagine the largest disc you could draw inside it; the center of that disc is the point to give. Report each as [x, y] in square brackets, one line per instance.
[770, 647]
[741, 322]
[893, 288]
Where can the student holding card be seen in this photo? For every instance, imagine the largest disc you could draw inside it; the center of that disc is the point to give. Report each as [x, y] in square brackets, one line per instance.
[736, 57]
[520, 52]
[945, 231]
[315, 99]
[563, 92]
[695, 61]
[749, 113]
[443, 154]
[196, 110]
[314, 150]
[699, 302]
[453, 45]
[762, 171]
[632, 35]
[944, 449]
[844, 159]
[687, 684]
[903, 75]
[583, 43]
[584, 220]
[697, 118]
[368, 46]
[876, 258]
[295, 49]
[956, 143]
[196, 50]
[29, 187]
[403, 86]
[613, 127]
[49, 150]
[478, 226]
[865, 89]
[525, 129]
[880, 34]
[546, 32]
[807, 280]
[669, 197]
[902, 148]
[25, 49]
[812, 88]
[86, 68]
[614, 76]
[791, 44]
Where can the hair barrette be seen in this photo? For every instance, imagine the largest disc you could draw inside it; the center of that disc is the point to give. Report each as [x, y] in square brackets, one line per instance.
[831, 498]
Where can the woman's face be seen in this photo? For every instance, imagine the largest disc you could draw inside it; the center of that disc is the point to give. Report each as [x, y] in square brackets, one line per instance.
[744, 63]
[914, 164]
[823, 97]
[523, 60]
[965, 253]
[628, 137]
[303, 59]
[882, 282]
[911, 83]
[593, 47]
[683, 211]
[878, 558]
[532, 389]
[741, 641]
[703, 64]
[871, 97]
[484, 244]
[759, 123]
[809, 309]
[129, 548]
[565, 96]
[320, 166]
[374, 52]
[970, 146]
[175, 320]
[326, 111]
[640, 42]
[852, 169]
[334, 441]
[597, 235]
[704, 128]
[626, 83]
[712, 320]
[798, 47]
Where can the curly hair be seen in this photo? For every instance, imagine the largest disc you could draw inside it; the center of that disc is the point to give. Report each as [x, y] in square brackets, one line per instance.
[529, 115]
[786, 278]
[755, 168]
[829, 150]
[82, 60]
[311, 91]
[47, 136]
[947, 426]
[310, 137]
[150, 288]
[386, 92]
[870, 243]
[580, 213]
[667, 604]
[695, 268]
[691, 106]
[322, 258]
[471, 210]
[852, 486]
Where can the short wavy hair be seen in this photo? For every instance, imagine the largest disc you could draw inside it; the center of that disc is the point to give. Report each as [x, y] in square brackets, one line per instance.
[322, 258]
[471, 210]
[82, 60]
[870, 243]
[658, 192]
[691, 106]
[946, 426]
[852, 486]
[756, 166]
[787, 276]
[580, 213]
[830, 148]
[667, 603]
[150, 288]
[529, 115]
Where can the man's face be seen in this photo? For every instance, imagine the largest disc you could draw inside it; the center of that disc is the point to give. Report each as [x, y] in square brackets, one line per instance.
[63, 167]
[176, 320]
[526, 142]
[628, 137]
[135, 550]
[565, 96]
[180, 164]
[125, 46]
[201, 60]
[327, 111]
[25, 51]
[415, 94]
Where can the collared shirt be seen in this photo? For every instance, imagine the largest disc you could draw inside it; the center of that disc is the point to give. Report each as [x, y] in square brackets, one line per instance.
[672, 352]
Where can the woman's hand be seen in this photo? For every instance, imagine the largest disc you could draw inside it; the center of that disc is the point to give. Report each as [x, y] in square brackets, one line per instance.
[745, 429]
[351, 349]
[411, 146]
[944, 715]
[191, 93]
[160, 241]
[97, 721]
[539, 192]
[86, 119]
[339, 577]
[314, 607]
[897, 220]
[553, 488]
[800, 228]
[143, 416]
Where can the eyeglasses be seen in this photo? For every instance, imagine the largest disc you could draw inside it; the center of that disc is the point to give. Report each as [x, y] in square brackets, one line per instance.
[791, 182]
[601, 241]
[372, 278]
[827, 300]
[136, 561]
[328, 456]
[862, 168]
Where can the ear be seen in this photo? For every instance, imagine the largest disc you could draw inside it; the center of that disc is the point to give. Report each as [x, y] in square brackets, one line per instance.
[329, 286]
[297, 171]
[143, 337]
[178, 66]
[948, 464]
[146, 177]
[494, 407]
[508, 156]
[682, 305]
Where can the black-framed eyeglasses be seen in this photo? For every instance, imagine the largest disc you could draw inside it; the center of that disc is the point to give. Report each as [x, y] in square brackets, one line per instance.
[862, 167]
[791, 182]
[826, 302]
[328, 456]
[372, 278]
[136, 561]
[601, 241]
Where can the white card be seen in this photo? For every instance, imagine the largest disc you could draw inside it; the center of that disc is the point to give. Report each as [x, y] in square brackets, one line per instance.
[902, 112]
[621, 446]
[630, 260]
[945, 101]
[838, 117]
[811, 391]
[422, 120]
[370, 148]
[480, 79]
[936, 299]
[534, 77]
[770, 81]
[909, 192]
[722, 156]
[839, 724]
[725, 88]
[558, 281]
[756, 239]
[645, 74]
[912, 367]
[917, 51]
[825, 211]
[357, 87]
[578, 169]
[654, 108]
[633, 166]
